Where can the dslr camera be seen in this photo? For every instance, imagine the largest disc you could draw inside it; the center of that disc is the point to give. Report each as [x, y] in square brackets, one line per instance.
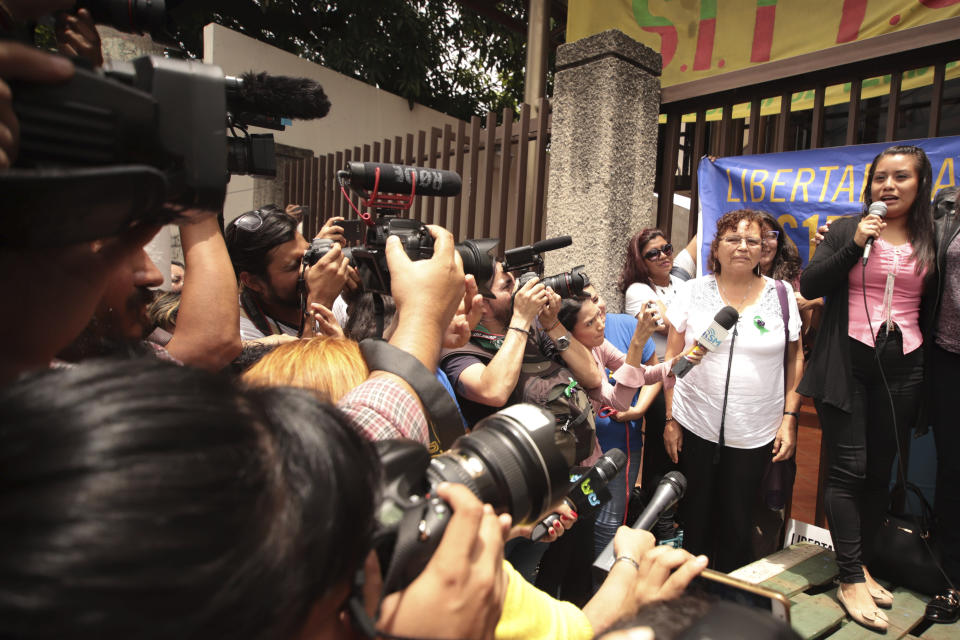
[567, 285]
[370, 260]
[510, 460]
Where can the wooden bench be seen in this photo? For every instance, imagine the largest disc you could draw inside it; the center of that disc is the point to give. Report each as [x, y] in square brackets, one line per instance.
[803, 571]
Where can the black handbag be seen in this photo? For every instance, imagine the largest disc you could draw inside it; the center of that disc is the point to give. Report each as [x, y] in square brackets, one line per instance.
[904, 550]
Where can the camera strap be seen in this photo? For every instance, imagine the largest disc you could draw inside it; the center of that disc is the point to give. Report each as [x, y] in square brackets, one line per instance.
[442, 412]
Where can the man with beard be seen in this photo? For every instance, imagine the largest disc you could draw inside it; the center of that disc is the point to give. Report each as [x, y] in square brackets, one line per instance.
[267, 250]
[507, 332]
[206, 336]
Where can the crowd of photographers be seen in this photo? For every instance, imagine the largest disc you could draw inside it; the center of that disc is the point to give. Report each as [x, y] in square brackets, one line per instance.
[223, 459]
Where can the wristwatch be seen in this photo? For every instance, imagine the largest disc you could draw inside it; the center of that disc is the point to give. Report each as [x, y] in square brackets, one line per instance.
[563, 342]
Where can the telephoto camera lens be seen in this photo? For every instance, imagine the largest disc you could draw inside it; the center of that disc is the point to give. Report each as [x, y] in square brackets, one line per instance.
[565, 285]
[511, 460]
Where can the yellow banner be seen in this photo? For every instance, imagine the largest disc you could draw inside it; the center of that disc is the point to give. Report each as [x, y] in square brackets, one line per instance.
[701, 38]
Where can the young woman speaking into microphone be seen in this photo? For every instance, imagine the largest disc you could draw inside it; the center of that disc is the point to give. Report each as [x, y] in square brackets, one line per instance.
[869, 342]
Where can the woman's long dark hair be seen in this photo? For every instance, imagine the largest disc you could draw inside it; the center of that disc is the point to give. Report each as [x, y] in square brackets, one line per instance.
[786, 263]
[145, 500]
[920, 217]
[634, 268]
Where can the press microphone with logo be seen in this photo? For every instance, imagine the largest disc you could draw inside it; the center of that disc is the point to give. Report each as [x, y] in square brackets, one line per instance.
[711, 338]
[668, 493]
[879, 209]
[589, 492]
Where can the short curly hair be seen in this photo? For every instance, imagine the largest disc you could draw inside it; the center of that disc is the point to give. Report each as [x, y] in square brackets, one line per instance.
[730, 221]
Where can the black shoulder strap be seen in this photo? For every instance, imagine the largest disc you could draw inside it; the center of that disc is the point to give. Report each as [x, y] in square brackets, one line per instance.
[442, 411]
[250, 310]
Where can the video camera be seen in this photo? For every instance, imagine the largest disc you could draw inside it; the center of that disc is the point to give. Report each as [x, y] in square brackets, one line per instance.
[144, 141]
[567, 285]
[510, 460]
[393, 188]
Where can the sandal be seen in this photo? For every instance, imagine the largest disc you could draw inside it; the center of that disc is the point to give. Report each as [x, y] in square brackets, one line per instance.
[944, 608]
[875, 619]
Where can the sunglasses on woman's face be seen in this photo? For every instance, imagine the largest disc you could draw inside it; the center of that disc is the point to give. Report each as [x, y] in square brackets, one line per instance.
[653, 254]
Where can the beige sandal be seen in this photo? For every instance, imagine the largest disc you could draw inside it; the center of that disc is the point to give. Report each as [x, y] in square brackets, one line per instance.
[875, 619]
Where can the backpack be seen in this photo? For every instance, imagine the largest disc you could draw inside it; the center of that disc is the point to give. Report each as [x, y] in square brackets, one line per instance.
[551, 386]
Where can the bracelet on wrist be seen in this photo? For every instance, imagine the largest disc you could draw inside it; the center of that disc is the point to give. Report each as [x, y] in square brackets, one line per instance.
[669, 419]
[552, 327]
[625, 558]
[792, 413]
[526, 331]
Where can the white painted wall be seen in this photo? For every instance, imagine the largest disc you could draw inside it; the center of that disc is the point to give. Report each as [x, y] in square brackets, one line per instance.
[361, 114]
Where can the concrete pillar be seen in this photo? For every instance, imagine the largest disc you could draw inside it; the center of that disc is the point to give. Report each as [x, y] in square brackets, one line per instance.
[603, 154]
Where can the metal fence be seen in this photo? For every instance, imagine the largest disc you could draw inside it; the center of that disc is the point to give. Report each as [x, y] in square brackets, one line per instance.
[926, 111]
[504, 171]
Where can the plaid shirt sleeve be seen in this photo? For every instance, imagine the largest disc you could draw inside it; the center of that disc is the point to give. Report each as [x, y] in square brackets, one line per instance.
[381, 409]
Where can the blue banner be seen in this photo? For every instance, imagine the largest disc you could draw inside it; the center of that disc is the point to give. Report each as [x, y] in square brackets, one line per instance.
[804, 189]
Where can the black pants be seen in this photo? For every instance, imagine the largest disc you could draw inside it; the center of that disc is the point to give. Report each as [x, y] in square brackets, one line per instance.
[861, 446]
[945, 372]
[717, 510]
[656, 462]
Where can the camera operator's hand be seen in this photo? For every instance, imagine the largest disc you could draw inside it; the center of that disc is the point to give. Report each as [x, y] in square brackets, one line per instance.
[325, 323]
[77, 36]
[460, 592]
[20, 62]
[332, 231]
[528, 302]
[650, 573]
[467, 317]
[326, 279]
[550, 311]
[427, 294]
[664, 572]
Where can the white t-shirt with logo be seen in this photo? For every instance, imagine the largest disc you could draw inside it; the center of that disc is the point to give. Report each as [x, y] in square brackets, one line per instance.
[755, 401]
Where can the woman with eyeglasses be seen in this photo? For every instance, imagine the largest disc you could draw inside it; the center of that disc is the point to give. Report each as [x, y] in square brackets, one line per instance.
[736, 410]
[869, 344]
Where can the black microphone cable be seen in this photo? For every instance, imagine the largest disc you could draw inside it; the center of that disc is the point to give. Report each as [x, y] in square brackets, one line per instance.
[893, 413]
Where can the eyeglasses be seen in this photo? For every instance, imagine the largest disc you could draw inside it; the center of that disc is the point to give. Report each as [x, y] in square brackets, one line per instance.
[773, 234]
[666, 250]
[735, 241]
[250, 221]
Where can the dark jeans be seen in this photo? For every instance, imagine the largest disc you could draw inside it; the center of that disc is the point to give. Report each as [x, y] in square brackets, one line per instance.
[944, 373]
[717, 510]
[861, 446]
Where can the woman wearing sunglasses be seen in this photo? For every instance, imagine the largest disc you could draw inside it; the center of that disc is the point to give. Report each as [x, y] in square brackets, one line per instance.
[735, 411]
[644, 279]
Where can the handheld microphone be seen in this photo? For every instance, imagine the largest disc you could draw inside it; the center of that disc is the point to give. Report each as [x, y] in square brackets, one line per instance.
[589, 492]
[879, 209]
[668, 493]
[396, 178]
[277, 96]
[711, 338]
